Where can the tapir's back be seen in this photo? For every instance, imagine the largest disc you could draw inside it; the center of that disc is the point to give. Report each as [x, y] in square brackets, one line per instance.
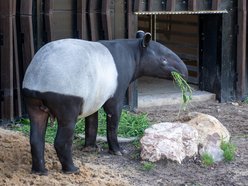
[75, 68]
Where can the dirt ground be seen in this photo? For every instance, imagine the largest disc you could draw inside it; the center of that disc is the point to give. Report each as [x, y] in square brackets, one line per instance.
[104, 169]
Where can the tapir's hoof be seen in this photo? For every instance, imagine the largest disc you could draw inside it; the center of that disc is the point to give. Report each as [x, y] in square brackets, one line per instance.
[91, 149]
[74, 170]
[118, 152]
[40, 172]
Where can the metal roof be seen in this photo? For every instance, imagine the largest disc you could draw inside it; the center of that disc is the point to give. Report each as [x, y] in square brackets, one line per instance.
[181, 12]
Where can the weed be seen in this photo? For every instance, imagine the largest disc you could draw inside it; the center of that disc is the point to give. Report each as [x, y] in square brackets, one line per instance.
[185, 89]
[229, 150]
[246, 100]
[130, 125]
[147, 166]
[207, 159]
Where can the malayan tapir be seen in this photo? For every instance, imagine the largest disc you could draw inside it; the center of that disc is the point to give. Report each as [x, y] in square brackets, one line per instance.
[72, 77]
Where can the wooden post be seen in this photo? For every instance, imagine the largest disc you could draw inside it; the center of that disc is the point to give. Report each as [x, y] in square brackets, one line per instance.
[82, 26]
[216, 4]
[140, 5]
[27, 32]
[106, 19]
[6, 61]
[48, 20]
[241, 50]
[16, 74]
[229, 53]
[192, 5]
[171, 5]
[94, 15]
[132, 29]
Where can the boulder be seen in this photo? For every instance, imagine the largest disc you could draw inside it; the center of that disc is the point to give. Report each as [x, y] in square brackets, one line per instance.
[173, 141]
[210, 129]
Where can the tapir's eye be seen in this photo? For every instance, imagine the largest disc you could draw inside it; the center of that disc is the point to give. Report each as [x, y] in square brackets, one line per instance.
[164, 61]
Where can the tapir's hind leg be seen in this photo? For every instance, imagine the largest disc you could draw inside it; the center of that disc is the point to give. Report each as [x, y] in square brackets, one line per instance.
[91, 126]
[38, 119]
[66, 109]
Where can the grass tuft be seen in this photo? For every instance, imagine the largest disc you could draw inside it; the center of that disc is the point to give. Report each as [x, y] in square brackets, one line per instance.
[229, 150]
[207, 159]
[147, 166]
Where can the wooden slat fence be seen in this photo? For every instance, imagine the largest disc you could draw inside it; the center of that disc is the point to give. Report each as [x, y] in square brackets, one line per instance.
[26, 25]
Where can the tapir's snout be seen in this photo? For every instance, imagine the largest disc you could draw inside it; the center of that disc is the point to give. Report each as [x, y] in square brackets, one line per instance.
[183, 71]
[180, 67]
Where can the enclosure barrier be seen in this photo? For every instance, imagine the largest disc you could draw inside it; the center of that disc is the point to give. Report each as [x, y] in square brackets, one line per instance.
[26, 25]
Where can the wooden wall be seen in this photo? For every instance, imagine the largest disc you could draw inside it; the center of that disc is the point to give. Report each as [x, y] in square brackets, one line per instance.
[180, 33]
[26, 25]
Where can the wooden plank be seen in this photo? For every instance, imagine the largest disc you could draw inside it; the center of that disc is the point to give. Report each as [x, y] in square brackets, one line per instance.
[82, 26]
[171, 5]
[26, 7]
[210, 75]
[216, 4]
[181, 5]
[156, 5]
[55, 28]
[48, 6]
[192, 5]
[228, 53]
[132, 21]
[17, 81]
[120, 30]
[106, 19]
[94, 16]
[6, 7]
[140, 5]
[204, 5]
[241, 50]
[62, 5]
[6, 67]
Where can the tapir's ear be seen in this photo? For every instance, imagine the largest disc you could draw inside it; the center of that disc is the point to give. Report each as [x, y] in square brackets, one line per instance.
[146, 39]
[140, 34]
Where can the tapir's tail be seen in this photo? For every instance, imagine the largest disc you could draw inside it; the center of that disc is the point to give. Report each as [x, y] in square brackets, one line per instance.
[34, 98]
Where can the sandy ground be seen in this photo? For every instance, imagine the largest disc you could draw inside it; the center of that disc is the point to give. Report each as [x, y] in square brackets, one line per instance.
[104, 169]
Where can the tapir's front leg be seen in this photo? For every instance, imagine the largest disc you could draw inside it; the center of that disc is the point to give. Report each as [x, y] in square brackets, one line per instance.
[113, 110]
[91, 126]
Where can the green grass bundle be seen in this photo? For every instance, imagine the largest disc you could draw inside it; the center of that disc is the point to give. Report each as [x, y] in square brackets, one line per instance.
[185, 88]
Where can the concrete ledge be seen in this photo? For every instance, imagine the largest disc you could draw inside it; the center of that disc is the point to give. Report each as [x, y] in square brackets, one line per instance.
[156, 100]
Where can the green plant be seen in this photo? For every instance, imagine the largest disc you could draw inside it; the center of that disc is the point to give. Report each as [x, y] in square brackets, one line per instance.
[185, 89]
[246, 100]
[130, 125]
[148, 166]
[207, 159]
[229, 150]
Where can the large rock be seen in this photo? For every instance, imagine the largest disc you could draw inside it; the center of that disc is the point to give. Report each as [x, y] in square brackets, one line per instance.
[210, 129]
[211, 133]
[174, 141]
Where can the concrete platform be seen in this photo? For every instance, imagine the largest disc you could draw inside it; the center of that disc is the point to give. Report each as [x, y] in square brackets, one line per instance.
[158, 92]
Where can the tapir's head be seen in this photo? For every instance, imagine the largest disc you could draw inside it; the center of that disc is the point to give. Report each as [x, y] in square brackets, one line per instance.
[157, 60]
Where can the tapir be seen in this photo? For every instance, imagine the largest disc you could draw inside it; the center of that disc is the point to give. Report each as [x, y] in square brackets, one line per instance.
[71, 77]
